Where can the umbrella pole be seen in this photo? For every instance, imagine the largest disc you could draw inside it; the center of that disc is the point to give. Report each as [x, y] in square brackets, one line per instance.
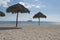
[17, 20]
[39, 21]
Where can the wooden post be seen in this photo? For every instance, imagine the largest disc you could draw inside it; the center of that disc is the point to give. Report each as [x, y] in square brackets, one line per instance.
[39, 21]
[17, 20]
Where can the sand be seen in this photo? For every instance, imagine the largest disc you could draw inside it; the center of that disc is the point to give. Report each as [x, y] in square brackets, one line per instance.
[31, 33]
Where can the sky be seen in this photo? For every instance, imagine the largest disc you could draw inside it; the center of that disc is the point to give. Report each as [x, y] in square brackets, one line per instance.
[50, 8]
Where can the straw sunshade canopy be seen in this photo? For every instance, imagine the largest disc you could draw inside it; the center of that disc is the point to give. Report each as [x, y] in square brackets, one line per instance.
[39, 15]
[16, 8]
[2, 14]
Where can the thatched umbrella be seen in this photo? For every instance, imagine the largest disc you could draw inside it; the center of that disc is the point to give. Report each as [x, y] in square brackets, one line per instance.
[16, 8]
[39, 15]
[2, 14]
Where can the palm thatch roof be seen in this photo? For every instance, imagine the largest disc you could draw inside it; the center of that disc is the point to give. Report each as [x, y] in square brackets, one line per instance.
[2, 14]
[17, 8]
[39, 15]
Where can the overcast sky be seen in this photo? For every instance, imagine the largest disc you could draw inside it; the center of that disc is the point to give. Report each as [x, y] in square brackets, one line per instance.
[50, 8]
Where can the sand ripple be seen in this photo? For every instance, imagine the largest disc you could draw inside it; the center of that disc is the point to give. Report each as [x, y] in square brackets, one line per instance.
[31, 33]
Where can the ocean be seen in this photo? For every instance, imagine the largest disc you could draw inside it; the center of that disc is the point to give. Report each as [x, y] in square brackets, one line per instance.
[28, 23]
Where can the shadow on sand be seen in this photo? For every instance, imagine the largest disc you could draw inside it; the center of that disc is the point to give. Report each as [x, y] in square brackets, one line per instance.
[9, 28]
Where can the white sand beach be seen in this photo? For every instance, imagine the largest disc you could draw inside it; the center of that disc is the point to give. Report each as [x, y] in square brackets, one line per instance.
[31, 33]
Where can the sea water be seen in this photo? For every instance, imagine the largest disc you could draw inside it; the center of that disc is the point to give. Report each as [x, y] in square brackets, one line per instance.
[28, 23]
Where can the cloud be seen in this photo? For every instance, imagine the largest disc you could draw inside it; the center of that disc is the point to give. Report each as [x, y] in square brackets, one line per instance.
[29, 5]
[4, 3]
[40, 6]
